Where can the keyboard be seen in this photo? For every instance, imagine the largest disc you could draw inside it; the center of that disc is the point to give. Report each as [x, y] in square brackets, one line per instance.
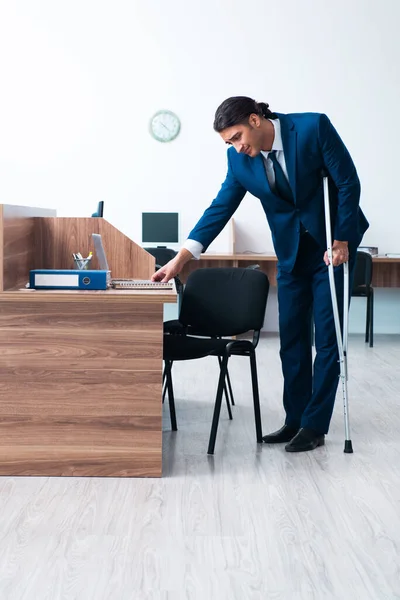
[140, 284]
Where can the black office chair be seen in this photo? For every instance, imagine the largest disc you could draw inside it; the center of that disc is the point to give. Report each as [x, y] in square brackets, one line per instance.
[362, 288]
[175, 327]
[219, 302]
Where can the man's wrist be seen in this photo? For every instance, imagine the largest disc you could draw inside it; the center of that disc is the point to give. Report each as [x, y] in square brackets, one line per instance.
[183, 257]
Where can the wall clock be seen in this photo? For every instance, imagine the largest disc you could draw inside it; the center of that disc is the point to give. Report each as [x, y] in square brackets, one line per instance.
[164, 126]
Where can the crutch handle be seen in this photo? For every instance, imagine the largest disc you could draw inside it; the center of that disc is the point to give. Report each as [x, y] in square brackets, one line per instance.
[324, 173]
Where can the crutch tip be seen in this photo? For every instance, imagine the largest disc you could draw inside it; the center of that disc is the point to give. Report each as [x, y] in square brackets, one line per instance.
[348, 447]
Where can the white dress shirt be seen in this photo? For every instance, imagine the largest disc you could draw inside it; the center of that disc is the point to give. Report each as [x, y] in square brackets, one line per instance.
[195, 247]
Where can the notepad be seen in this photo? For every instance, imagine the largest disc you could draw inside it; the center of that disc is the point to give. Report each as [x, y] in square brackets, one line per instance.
[140, 284]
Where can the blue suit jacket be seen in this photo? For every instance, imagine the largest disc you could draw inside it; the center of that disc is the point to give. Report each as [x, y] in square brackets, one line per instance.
[310, 143]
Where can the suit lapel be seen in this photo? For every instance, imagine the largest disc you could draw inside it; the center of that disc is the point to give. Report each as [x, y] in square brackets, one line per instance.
[289, 141]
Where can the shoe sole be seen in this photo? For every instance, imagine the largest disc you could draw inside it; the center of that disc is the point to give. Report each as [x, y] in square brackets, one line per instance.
[320, 442]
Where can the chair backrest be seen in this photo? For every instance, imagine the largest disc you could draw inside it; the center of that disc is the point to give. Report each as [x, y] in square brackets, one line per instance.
[362, 270]
[162, 255]
[225, 301]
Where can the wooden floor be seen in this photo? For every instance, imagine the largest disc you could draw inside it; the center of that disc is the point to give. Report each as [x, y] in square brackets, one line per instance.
[252, 522]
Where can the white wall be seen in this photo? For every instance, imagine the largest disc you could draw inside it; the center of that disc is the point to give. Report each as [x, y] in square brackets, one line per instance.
[80, 81]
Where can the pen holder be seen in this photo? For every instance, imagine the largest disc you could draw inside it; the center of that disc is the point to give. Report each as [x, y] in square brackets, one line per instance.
[83, 263]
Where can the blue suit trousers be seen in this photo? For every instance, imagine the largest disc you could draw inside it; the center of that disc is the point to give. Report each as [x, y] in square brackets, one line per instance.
[309, 390]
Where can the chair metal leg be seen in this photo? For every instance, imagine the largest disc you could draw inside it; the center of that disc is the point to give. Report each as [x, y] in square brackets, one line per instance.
[164, 385]
[256, 397]
[171, 399]
[165, 382]
[228, 406]
[371, 319]
[228, 381]
[217, 406]
[367, 321]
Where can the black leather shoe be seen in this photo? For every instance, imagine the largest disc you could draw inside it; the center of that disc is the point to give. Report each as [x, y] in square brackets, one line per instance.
[285, 434]
[306, 439]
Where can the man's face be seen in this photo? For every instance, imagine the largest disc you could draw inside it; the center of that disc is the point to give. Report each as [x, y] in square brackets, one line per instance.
[246, 139]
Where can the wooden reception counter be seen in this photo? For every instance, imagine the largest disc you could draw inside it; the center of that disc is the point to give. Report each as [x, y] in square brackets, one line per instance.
[80, 371]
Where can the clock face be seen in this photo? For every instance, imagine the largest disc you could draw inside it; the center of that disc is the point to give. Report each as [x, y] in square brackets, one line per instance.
[164, 126]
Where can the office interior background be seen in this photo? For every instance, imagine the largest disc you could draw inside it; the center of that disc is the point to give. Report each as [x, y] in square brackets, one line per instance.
[83, 79]
[80, 81]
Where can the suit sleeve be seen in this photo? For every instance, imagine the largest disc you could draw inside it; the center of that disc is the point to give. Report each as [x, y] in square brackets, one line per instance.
[341, 168]
[220, 211]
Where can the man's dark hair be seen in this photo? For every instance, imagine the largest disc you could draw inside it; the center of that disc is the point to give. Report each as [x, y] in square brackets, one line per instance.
[236, 110]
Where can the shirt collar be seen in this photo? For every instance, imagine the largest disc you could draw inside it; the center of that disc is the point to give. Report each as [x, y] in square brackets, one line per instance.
[277, 143]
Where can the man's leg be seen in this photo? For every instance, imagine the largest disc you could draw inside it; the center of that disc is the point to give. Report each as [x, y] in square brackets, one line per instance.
[295, 299]
[318, 413]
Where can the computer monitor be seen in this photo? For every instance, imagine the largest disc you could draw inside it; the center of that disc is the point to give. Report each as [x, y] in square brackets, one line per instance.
[100, 209]
[160, 228]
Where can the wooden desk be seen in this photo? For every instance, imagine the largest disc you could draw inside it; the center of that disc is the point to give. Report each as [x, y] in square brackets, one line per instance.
[386, 271]
[80, 385]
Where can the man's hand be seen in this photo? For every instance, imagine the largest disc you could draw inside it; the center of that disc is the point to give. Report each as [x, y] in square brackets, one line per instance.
[340, 253]
[173, 267]
[167, 272]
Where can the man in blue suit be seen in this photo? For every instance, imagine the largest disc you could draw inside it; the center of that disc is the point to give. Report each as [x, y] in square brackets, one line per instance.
[279, 158]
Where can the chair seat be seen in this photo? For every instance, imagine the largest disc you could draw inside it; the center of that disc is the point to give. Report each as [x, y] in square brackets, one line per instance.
[174, 327]
[187, 347]
[184, 347]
